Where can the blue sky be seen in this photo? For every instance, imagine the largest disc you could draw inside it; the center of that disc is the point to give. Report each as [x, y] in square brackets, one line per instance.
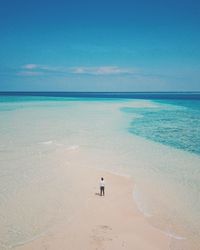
[100, 45]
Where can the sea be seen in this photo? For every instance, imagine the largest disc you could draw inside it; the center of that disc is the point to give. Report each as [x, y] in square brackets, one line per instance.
[153, 137]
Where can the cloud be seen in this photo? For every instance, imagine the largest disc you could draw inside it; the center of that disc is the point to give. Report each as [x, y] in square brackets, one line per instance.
[44, 68]
[30, 66]
[103, 70]
[79, 70]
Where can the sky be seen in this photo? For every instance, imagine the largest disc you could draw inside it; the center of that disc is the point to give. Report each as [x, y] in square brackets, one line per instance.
[80, 45]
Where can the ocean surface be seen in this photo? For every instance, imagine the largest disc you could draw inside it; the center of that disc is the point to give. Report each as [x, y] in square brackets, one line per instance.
[154, 137]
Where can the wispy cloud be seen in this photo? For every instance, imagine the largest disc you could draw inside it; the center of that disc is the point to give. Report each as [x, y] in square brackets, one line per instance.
[30, 66]
[40, 67]
[79, 70]
[103, 70]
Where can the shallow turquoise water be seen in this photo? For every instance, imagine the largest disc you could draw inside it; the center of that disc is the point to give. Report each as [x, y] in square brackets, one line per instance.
[175, 123]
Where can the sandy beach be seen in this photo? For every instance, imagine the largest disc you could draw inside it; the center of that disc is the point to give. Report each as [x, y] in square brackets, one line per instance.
[50, 180]
[102, 222]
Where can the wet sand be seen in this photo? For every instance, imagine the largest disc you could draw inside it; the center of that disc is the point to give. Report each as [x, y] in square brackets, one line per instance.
[102, 222]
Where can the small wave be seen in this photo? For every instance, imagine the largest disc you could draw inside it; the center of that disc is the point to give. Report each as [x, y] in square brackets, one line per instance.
[46, 142]
[143, 209]
[59, 144]
[174, 236]
[73, 147]
[140, 205]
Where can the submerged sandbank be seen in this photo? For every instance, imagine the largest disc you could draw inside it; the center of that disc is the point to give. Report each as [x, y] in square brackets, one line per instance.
[47, 149]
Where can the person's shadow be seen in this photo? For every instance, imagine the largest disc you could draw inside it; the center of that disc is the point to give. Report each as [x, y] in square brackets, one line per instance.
[97, 194]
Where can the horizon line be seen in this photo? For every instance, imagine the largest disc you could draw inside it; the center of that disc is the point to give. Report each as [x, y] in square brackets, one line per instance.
[126, 92]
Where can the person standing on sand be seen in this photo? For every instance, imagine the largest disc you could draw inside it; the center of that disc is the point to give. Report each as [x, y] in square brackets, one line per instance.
[102, 187]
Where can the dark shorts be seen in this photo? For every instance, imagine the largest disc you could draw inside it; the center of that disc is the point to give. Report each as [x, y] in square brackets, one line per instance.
[101, 190]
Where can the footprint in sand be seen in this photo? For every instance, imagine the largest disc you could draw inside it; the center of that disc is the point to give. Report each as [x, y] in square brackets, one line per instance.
[100, 235]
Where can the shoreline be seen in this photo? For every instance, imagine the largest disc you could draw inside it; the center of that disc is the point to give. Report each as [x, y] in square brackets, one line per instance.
[110, 222]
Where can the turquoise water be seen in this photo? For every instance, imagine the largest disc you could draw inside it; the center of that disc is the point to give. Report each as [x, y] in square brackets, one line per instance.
[155, 141]
[175, 123]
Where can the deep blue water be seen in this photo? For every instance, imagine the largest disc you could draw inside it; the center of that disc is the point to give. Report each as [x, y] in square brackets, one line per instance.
[134, 95]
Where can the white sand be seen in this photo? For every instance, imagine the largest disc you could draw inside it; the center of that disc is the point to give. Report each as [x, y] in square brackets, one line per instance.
[110, 222]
